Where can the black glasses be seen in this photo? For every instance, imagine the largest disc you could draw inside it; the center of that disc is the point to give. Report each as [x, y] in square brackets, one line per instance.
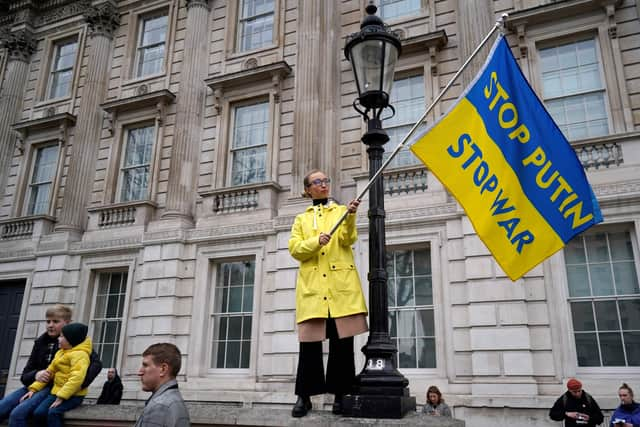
[319, 181]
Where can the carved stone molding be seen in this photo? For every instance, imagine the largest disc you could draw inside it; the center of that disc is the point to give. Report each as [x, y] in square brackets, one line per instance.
[103, 20]
[431, 42]
[276, 72]
[557, 11]
[62, 122]
[611, 19]
[197, 3]
[158, 100]
[20, 45]
[59, 13]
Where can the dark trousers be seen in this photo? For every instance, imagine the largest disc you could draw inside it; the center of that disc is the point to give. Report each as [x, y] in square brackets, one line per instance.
[341, 368]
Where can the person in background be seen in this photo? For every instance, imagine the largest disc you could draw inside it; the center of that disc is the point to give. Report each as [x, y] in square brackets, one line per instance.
[329, 299]
[165, 408]
[435, 403]
[68, 368]
[576, 407]
[112, 389]
[628, 413]
[42, 353]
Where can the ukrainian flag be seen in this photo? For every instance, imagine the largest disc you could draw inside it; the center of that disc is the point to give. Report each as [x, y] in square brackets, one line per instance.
[500, 154]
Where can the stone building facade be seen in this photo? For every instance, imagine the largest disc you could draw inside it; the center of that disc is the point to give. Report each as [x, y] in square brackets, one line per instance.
[151, 163]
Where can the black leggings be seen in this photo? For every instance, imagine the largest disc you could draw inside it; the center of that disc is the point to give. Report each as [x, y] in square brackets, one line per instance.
[341, 369]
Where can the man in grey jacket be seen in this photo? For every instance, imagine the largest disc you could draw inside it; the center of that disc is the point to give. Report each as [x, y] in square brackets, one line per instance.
[165, 408]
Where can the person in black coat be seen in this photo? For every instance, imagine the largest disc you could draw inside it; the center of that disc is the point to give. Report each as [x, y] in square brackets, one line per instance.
[42, 353]
[112, 389]
[576, 407]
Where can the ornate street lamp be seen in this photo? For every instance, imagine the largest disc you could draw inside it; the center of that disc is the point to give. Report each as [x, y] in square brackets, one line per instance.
[380, 390]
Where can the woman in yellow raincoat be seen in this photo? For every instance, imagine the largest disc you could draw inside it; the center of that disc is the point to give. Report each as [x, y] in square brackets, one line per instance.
[329, 299]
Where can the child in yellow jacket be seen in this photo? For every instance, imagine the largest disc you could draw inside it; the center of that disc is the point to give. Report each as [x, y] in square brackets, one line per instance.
[69, 367]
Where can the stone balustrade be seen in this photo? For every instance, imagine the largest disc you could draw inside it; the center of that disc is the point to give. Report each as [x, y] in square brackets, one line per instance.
[25, 227]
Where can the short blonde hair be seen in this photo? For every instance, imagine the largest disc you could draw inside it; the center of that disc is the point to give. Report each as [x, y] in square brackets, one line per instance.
[60, 311]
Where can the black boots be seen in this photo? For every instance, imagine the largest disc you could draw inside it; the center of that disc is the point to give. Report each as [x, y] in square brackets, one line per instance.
[337, 405]
[302, 406]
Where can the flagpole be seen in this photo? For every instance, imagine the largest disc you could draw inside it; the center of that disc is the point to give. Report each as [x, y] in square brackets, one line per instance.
[499, 23]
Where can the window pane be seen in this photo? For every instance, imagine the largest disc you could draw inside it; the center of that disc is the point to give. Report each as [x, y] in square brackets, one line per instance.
[611, 347]
[220, 349]
[426, 353]
[393, 326]
[246, 352]
[621, 248]
[407, 353]
[625, 278]
[396, 8]
[154, 30]
[235, 328]
[391, 292]
[406, 324]
[60, 84]
[405, 292]
[607, 316]
[424, 291]
[235, 299]
[578, 278]
[233, 354]
[632, 347]
[246, 328]
[587, 349]
[422, 262]
[425, 323]
[601, 279]
[630, 313]
[582, 314]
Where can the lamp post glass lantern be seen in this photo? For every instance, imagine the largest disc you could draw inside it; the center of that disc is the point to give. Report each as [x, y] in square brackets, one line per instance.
[380, 390]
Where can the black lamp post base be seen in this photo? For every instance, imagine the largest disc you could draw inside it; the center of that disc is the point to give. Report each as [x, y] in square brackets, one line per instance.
[377, 406]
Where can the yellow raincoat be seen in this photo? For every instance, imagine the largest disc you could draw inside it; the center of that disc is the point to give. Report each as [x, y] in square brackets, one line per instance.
[328, 282]
[69, 368]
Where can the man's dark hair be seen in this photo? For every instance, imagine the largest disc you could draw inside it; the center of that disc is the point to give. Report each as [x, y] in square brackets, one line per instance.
[165, 353]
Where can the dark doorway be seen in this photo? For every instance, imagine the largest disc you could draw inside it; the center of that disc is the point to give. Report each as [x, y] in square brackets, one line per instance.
[11, 293]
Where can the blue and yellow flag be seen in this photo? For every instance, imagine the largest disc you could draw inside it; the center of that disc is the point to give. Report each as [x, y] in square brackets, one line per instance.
[501, 155]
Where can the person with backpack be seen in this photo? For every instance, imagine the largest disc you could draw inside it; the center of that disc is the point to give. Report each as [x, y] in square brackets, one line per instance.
[68, 368]
[42, 353]
[44, 348]
[576, 407]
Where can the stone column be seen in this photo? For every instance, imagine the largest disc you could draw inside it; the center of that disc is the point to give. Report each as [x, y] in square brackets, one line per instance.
[20, 46]
[181, 188]
[475, 20]
[103, 21]
[317, 135]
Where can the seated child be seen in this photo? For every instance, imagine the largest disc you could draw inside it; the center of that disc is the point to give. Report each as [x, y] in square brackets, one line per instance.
[69, 367]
